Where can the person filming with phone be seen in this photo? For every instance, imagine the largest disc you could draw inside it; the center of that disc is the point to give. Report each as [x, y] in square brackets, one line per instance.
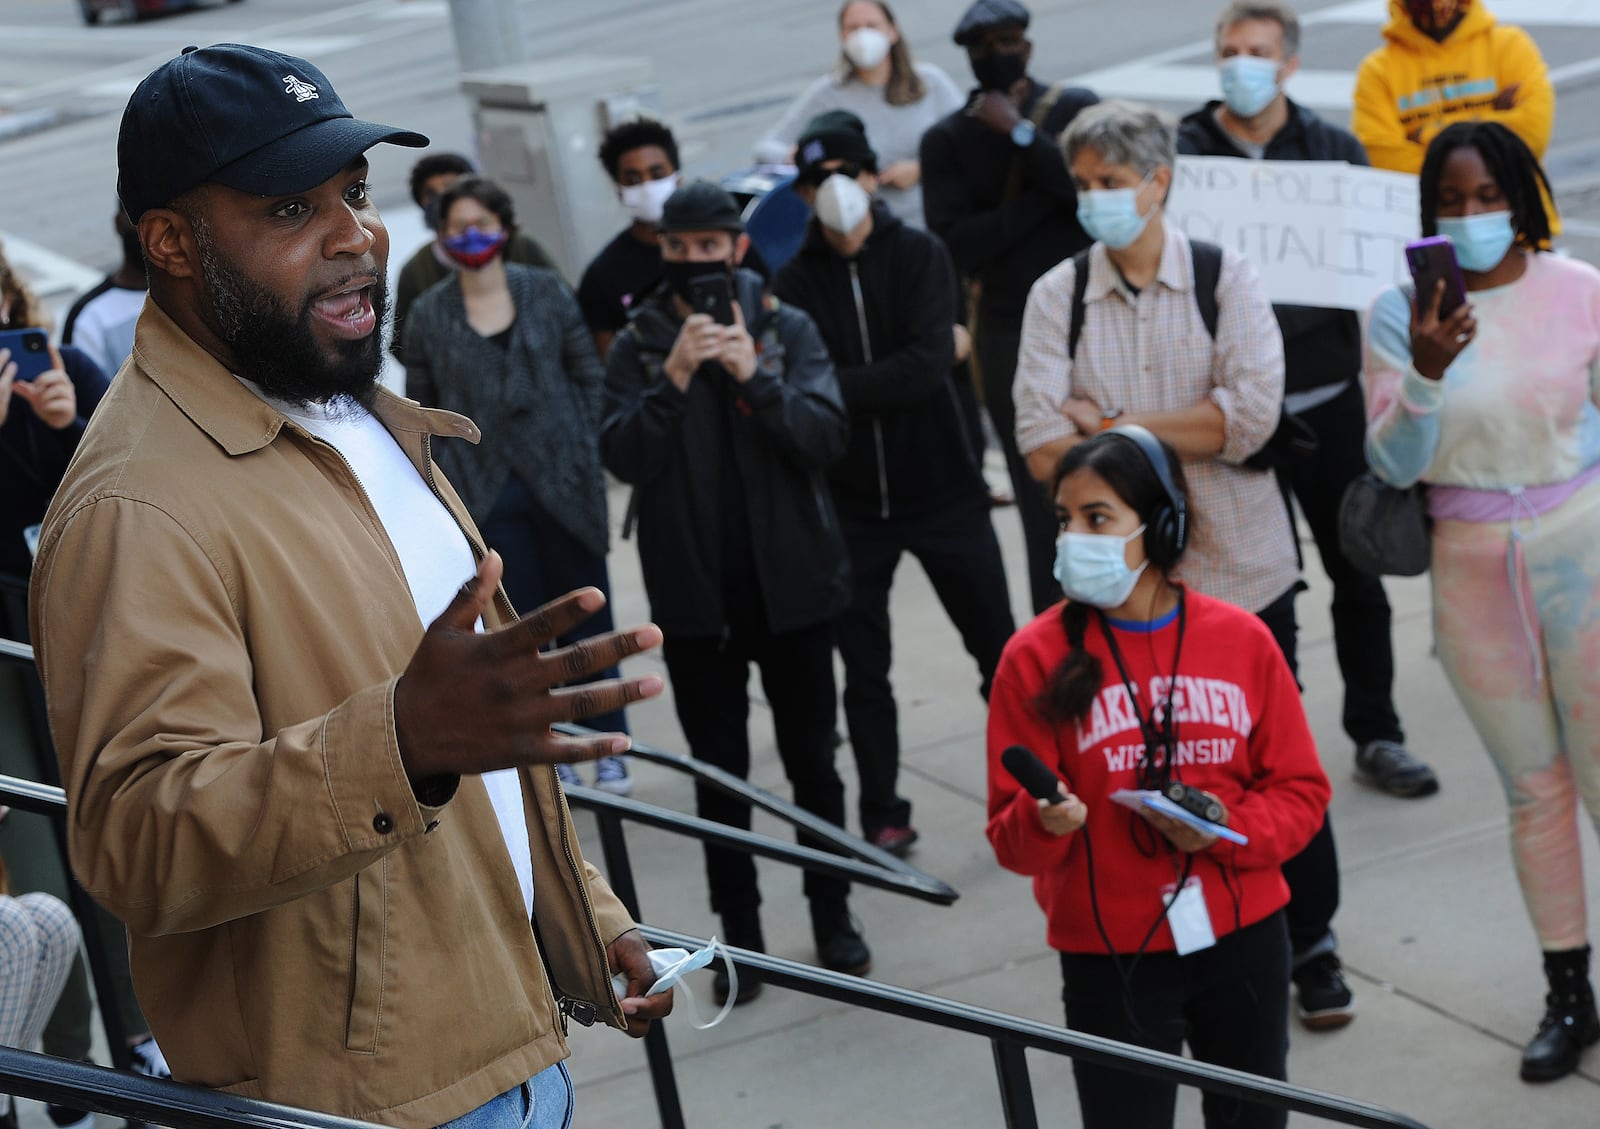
[722, 411]
[1483, 386]
[1170, 928]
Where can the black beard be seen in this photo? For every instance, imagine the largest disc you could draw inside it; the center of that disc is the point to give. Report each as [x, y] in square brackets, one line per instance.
[275, 348]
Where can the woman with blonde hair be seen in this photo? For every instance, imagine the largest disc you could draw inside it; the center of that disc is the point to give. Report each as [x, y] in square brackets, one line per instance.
[877, 80]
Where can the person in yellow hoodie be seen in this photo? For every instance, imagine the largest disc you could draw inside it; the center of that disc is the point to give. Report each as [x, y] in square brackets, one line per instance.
[1448, 61]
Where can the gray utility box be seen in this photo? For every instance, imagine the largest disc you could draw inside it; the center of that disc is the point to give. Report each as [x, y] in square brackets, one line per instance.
[539, 127]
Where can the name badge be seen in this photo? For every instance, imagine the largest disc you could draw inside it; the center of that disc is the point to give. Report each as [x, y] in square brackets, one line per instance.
[1189, 918]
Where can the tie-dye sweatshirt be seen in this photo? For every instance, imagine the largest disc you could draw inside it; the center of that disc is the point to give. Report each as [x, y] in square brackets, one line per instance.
[1517, 408]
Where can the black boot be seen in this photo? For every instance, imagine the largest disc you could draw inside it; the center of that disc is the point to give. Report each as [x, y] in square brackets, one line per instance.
[839, 943]
[741, 929]
[1570, 1022]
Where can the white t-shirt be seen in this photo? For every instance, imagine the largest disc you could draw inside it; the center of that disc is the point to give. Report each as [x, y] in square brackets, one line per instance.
[434, 553]
[104, 327]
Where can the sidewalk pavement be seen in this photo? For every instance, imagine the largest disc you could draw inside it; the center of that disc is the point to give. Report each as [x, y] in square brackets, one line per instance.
[1432, 929]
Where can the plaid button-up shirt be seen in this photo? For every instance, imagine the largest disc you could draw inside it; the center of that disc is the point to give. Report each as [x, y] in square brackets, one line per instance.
[1150, 352]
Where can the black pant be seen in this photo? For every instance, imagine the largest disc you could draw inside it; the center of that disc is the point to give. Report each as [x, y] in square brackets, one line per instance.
[1362, 640]
[1313, 874]
[543, 561]
[708, 687]
[1229, 1002]
[957, 548]
[998, 340]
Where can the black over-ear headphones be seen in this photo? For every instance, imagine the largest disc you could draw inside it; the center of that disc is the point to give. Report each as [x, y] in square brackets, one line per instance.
[1166, 530]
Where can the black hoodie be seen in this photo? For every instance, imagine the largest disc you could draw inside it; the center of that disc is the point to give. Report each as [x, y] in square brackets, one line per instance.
[887, 316]
[1320, 346]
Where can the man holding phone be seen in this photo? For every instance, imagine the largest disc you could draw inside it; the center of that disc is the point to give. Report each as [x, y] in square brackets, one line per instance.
[722, 409]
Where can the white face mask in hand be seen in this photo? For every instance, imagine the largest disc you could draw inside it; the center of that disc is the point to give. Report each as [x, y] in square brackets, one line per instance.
[672, 965]
[842, 203]
[645, 201]
[866, 47]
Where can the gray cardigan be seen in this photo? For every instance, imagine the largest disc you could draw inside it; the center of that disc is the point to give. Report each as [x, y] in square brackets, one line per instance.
[538, 402]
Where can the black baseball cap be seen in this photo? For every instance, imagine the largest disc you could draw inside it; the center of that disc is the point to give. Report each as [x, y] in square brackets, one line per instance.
[700, 205]
[251, 119]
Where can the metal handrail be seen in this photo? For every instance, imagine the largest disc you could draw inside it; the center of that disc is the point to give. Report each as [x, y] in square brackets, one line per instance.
[919, 885]
[916, 884]
[67, 1083]
[181, 1107]
[116, 1093]
[999, 1027]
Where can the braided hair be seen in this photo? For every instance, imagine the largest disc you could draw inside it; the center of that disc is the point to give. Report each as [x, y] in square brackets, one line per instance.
[1073, 686]
[1512, 165]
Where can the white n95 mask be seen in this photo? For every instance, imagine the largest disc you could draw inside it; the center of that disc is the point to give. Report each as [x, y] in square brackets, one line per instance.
[842, 203]
[866, 47]
[645, 201]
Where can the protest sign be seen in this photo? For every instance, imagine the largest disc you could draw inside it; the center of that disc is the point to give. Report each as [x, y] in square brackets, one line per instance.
[1319, 233]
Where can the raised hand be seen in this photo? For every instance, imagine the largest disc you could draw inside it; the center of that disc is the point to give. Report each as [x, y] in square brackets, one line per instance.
[472, 702]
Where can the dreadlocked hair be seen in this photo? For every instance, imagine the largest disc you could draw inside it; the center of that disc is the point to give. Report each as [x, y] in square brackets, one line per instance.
[1512, 165]
[1123, 465]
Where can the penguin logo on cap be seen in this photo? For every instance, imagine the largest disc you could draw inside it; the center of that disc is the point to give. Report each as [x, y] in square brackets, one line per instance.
[303, 91]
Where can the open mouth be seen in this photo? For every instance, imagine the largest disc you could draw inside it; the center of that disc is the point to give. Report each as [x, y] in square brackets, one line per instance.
[348, 311]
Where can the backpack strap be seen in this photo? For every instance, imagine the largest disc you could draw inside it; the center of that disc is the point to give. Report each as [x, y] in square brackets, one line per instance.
[1207, 260]
[1080, 287]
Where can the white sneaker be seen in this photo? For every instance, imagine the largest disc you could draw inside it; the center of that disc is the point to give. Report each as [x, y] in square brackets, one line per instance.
[611, 775]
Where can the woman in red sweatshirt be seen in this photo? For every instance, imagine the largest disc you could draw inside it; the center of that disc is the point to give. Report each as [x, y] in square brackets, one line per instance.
[1135, 683]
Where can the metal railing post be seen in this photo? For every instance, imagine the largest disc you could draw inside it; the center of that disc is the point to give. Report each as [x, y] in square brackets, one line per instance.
[619, 874]
[1016, 1088]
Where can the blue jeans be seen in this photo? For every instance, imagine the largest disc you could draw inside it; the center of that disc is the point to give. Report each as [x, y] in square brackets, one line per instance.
[542, 1102]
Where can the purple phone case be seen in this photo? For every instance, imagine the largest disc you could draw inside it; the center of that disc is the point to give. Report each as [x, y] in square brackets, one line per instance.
[1430, 260]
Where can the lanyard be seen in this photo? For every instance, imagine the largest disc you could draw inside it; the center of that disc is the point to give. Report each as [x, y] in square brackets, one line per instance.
[1159, 734]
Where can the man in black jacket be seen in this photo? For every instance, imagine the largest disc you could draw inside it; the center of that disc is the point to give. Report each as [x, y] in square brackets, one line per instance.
[724, 430]
[883, 295]
[1258, 49]
[995, 188]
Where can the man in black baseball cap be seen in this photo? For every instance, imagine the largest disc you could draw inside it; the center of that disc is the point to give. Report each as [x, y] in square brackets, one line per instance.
[274, 698]
[722, 410]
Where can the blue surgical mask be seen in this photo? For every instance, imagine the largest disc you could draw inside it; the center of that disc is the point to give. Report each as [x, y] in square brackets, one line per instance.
[1481, 241]
[1093, 569]
[1249, 84]
[1111, 215]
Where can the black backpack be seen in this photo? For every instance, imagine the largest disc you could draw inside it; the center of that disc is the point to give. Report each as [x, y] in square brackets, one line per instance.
[1293, 440]
[1207, 260]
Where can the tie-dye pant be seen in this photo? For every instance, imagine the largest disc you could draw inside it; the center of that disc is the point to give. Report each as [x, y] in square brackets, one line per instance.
[1516, 611]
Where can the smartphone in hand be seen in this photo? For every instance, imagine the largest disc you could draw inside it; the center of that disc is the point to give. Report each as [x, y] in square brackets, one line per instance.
[1431, 260]
[30, 349]
[712, 294]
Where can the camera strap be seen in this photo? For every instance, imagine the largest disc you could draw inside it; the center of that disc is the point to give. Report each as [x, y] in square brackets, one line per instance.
[1160, 728]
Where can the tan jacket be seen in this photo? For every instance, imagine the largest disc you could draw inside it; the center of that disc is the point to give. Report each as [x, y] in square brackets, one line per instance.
[220, 622]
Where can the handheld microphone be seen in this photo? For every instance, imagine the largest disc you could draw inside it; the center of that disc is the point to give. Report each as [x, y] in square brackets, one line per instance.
[1033, 774]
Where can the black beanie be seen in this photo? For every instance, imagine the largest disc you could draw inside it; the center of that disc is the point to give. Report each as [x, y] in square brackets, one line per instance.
[837, 135]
